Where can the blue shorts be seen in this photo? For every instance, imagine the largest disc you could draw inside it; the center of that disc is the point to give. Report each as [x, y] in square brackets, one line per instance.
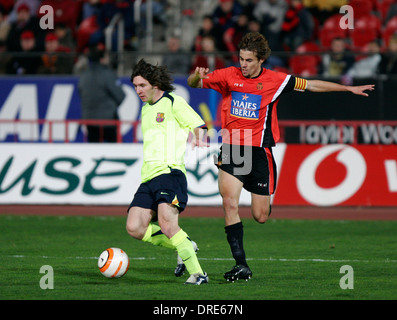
[166, 188]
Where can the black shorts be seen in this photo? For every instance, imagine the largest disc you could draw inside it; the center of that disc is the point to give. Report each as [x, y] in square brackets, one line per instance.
[166, 188]
[253, 166]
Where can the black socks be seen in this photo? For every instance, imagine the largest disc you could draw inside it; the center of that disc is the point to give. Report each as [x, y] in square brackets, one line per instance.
[235, 235]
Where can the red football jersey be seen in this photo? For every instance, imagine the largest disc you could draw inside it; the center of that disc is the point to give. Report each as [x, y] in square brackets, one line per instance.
[249, 113]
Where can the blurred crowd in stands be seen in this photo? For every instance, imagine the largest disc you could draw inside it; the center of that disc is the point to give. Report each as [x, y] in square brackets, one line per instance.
[305, 35]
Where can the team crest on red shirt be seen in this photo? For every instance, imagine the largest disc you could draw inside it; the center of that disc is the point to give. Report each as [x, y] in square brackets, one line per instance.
[259, 86]
[160, 117]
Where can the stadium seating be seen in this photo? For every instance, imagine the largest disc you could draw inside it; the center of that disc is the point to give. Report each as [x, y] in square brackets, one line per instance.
[361, 8]
[87, 27]
[331, 30]
[65, 11]
[382, 7]
[369, 24]
[366, 29]
[305, 64]
[389, 30]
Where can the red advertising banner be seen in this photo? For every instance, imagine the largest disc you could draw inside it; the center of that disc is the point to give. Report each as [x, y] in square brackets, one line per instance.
[338, 175]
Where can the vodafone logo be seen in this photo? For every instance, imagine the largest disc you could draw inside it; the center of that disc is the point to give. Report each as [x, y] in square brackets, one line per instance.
[355, 167]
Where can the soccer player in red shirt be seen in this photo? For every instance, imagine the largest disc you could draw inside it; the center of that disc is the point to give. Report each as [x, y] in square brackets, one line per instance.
[249, 131]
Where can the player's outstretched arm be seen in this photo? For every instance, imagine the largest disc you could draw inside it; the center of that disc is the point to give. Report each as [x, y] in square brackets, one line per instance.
[194, 79]
[326, 86]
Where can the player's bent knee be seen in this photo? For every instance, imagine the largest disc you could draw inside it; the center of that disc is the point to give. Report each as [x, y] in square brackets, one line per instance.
[262, 216]
[261, 219]
[135, 231]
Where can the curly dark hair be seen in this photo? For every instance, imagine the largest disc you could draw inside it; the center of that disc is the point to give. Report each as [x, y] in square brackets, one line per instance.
[156, 75]
[257, 43]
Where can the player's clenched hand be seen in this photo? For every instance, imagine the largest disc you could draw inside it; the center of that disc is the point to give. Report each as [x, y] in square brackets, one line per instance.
[360, 90]
[201, 72]
[195, 78]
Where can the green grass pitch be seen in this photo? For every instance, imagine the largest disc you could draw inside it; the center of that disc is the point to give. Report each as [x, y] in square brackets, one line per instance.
[290, 259]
